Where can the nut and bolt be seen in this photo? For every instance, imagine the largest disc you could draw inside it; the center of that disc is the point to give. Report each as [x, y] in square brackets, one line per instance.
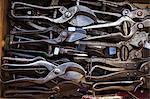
[139, 13]
[140, 26]
[68, 14]
[29, 12]
[56, 71]
[125, 12]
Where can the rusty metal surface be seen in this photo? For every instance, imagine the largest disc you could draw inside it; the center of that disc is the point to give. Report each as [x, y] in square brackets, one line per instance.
[75, 48]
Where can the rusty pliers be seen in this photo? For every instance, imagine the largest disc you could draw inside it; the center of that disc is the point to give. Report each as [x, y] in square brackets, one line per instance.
[66, 35]
[69, 71]
[135, 26]
[67, 14]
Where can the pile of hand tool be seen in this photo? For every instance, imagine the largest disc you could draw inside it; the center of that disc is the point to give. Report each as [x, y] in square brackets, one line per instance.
[75, 48]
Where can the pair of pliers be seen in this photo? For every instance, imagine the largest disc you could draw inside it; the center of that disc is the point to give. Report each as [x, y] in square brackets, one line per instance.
[68, 70]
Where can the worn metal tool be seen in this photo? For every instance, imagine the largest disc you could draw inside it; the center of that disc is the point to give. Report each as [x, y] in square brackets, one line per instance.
[53, 52]
[26, 60]
[107, 3]
[134, 27]
[72, 48]
[64, 88]
[20, 31]
[117, 4]
[67, 14]
[121, 65]
[54, 71]
[66, 35]
[125, 88]
[121, 50]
